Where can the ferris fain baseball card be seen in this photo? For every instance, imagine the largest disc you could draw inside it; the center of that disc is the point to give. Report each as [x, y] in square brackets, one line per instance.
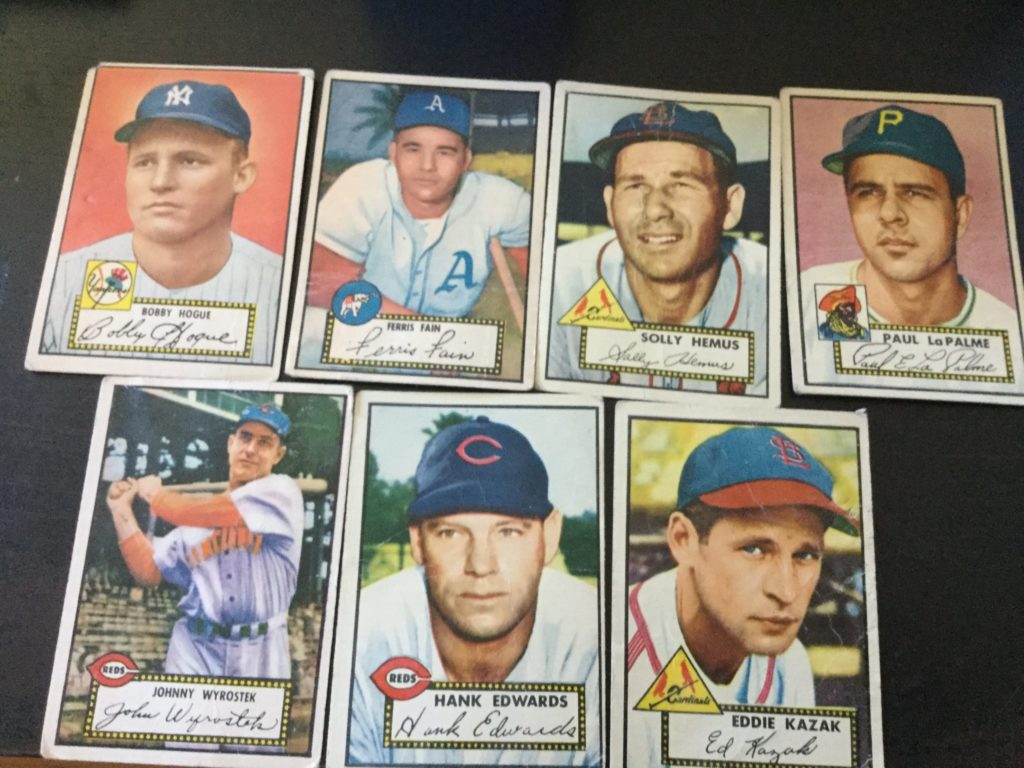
[172, 250]
[199, 611]
[662, 266]
[744, 622]
[902, 259]
[423, 232]
[471, 591]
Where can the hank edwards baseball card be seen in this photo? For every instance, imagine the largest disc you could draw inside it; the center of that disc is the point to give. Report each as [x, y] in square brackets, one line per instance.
[423, 232]
[200, 605]
[472, 580]
[172, 250]
[904, 274]
[661, 276]
[744, 623]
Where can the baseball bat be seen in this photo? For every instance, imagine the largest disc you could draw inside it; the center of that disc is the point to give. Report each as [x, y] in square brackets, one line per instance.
[306, 485]
[500, 259]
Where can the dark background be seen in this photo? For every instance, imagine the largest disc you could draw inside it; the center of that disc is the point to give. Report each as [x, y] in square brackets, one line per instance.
[948, 479]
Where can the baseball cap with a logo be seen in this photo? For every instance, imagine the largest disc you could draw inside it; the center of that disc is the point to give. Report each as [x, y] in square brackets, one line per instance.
[212, 105]
[480, 466]
[436, 108]
[269, 414]
[748, 468]
[665, 121]
[896, 130]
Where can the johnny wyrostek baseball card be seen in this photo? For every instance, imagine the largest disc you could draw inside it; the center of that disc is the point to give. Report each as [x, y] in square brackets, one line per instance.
[202, 587]
[423, 233]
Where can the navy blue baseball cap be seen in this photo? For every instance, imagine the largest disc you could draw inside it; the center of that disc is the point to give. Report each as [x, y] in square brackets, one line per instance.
[896, 130]
[433, 108]
[480, 466]
[664, 121]
[269, 414]
[748, 468]
[212, 105]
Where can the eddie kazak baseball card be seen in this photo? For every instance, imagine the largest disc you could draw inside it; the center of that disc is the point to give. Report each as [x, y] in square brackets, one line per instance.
[472, 582]
[902, 259]
[423, 232]
[172, 250]
[662, 266]
[199, 611]
[744, 625]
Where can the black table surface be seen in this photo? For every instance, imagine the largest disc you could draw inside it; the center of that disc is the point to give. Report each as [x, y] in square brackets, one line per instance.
[947, 477]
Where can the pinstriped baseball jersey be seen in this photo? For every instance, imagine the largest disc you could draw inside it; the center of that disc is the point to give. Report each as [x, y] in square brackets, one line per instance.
[251, 275]
[432, 270]
[653, 636]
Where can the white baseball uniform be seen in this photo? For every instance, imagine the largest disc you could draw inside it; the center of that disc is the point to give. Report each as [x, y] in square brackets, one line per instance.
[252, 275]
[394, 620]
[739, 302]
[654, 637]
[240, 583]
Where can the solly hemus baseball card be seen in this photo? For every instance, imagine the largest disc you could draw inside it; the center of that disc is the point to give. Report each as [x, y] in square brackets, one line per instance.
[199, 610]
[423, 233]
[744, 623]
[661, 276]
[171, 254]
[471, 597]
[904, 274]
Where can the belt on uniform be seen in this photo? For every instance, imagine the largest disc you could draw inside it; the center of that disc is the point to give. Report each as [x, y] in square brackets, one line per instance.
[207, 628]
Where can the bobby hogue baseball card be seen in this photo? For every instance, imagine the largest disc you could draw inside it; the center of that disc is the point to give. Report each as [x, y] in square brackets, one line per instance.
[904, 275]
[661, 274]
[200, 604]
[744, 622]
[423, 235]
[471, 595]
[176, 224]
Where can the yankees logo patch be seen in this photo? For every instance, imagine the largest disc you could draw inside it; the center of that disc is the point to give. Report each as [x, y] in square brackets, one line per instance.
[356, 302]
[108, 284]
[179, 96]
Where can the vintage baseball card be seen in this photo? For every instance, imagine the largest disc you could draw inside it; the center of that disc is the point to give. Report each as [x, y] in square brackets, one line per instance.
[422, 251]
[471, 626]
[903, 271]
[172, 250]
[744, 624]
[661, 276]
[199, 611]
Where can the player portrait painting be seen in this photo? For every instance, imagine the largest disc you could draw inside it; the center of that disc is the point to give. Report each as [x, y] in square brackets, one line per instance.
[662, 244]
[201, 605]
[744, 594]
[904, 200]
[473, 588]
[172, 241]
[422, 228]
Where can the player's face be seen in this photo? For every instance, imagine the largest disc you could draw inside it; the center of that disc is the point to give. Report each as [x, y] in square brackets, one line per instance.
[668, 209]
[482, 569]
[904, 217]
[253, 451]
[755, 574]
[430, 162]
[182, 180]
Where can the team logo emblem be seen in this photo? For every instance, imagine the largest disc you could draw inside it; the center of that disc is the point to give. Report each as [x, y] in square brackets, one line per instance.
[179, 96]
[113, 670]
[888, 117]
[356, 302]
[598, 308]
[401, 678]
[108, 284]
[679, 688]
[657, 114]
[479, 461]
[436, 105]
[842, 312]
[789, 452]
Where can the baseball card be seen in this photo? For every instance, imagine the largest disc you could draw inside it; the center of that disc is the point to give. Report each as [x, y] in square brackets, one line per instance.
[744, 624]
[472, 582]
[661, 276]
[172, 250]
[199, 611]
[904, 277]
[423, 232]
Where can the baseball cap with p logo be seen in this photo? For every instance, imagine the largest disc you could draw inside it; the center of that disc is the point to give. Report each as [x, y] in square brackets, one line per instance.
[214, 106]
[442, 110]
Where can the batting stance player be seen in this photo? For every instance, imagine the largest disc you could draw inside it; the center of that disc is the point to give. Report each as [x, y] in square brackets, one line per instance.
[188, 160]
[481, 607]
[236, 554]
[671, 194]
[748, 538]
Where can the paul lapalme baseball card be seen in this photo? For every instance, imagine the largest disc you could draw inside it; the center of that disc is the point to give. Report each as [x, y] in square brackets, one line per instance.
[471, 598]
[199, 611]
[423, 232]
[172, 250]
[744, 623]
[904, 273]
[661, 276]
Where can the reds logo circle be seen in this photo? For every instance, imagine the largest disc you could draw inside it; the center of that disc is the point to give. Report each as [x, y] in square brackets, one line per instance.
[478, 460]
[113, 670]
[401, 678]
